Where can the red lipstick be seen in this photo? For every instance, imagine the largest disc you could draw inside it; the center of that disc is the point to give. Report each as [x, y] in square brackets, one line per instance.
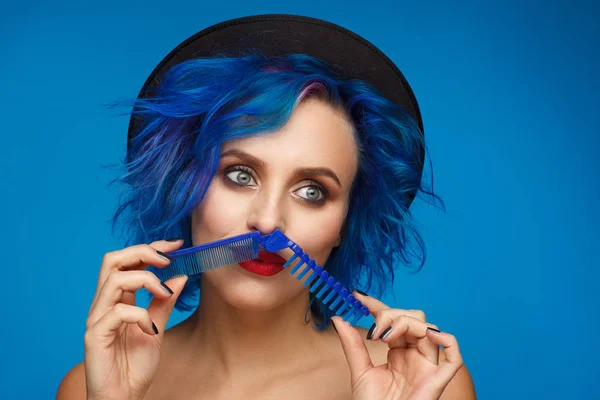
[266, 264]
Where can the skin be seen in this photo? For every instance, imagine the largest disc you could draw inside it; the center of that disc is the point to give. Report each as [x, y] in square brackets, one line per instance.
[248, 338]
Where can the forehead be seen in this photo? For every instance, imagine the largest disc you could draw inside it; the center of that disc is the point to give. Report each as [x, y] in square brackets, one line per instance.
[316, 135]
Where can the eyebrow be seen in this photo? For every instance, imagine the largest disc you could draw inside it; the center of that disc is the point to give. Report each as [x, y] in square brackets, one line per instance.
[312, 172]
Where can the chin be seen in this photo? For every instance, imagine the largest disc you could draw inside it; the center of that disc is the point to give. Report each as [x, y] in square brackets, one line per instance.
[244, 290]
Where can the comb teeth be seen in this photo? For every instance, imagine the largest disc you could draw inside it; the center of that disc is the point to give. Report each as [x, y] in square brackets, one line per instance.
[325, 288]
[211, 258]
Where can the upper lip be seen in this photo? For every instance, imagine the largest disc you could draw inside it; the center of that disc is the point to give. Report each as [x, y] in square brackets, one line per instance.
[267, 256]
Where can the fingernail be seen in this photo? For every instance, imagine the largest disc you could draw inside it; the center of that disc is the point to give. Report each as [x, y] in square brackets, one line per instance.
[163, 255]
[370, 333]
[173, 239]
[154, 328]
[168, 289]
[385, 333]
[433, 329]
[360, 292]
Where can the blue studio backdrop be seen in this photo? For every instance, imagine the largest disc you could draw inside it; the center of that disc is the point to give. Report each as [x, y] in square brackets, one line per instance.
[509, 96]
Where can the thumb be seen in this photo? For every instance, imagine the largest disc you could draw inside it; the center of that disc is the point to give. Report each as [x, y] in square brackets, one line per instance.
[160, 309]
[356, 352]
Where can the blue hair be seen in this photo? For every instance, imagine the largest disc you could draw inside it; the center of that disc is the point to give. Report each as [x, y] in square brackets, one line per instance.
[202, 103]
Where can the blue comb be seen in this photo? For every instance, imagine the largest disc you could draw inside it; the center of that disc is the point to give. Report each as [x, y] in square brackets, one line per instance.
[326, 289]
[330, 293]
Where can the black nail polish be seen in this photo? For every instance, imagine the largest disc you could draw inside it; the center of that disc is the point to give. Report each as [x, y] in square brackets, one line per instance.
[370, 333]
[385, 333]
[160, 253]
[433, 329]
[154, 328]
[360, 292]
[173, 239]
[168, 289]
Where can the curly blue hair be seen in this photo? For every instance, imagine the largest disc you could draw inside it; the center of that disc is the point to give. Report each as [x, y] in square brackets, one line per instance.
[202, 103]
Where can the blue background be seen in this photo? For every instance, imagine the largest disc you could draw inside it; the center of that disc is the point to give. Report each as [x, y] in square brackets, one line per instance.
[509, 96]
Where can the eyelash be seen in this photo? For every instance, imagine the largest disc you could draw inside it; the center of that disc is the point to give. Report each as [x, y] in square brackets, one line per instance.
[324, 192]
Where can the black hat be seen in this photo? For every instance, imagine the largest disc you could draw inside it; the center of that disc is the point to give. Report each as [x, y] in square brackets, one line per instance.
[345, 52]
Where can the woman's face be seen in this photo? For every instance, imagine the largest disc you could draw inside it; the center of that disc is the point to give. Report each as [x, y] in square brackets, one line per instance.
[297, 179]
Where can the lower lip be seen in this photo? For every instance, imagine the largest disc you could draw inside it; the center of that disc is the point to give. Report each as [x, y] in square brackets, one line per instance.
[261, 268]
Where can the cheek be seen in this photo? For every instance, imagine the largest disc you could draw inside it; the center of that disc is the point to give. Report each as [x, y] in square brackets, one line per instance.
[218, 215]
[318, 232]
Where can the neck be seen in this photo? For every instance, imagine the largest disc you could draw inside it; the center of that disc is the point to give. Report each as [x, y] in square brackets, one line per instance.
[235, 341]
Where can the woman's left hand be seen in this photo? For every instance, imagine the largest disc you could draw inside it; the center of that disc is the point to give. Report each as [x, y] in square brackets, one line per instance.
[412, 371]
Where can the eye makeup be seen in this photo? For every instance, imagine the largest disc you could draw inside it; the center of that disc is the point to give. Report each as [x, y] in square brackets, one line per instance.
[246, 170]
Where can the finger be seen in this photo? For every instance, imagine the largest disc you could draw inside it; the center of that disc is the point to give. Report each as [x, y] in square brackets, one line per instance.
[385, 319]
[121, 314]
[121, 282]
[453, 361]
[354, 347]
[426, 347]
[404, 342]
[137, 257]
[160, 308]
[412, 330]
[374, 305]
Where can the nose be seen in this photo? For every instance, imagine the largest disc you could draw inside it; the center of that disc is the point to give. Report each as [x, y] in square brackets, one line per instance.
[266, 213]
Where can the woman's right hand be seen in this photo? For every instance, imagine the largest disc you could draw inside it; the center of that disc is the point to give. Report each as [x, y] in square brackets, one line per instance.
[123, 341]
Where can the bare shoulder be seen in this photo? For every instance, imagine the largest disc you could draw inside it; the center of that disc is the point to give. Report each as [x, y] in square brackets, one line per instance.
[72, 386]
[460, 387]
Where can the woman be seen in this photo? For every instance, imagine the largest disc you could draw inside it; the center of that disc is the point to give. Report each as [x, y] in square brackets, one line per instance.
[221, 146]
